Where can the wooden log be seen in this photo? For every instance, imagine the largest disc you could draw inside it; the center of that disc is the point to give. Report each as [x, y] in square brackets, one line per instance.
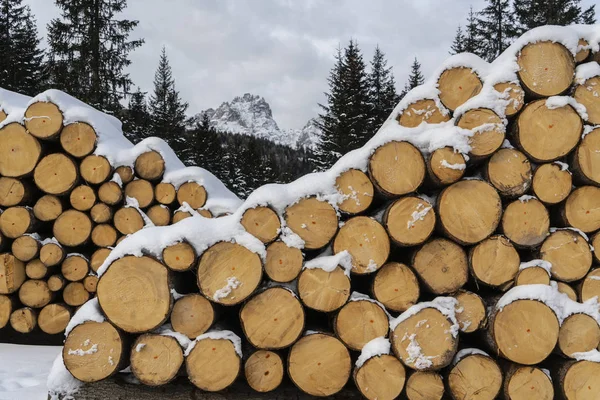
[545, 68]
[104, 235]
[409, 221]
[569, 253]
[488, 131]
[52, 254]
[397, 168]
[47, 208]
[425, 110]
[323, 291]
[587, 93]
[165, 193]
[228, 273]
[192, 193]
[56, 283]
[72, 228]
[472, 315]
[359, 321]
[579, 333]
[213, 364]
[192, 315]
[179, 256]
[380, 377]
[159, 214]
[589, 286]
[134, 294]
[509, 171]
[14, 192]
[582, 209]
[82, 198]
[90, 283]
[128, 220]
[526, 222]
[445, 166]
[125, 172]
[19, 151]
[514, 94]
[585, 161]
[150, 165]
[264, 371]
[367, 242]
[142, 191]
[23, 320]
[566, 289]
[474, 201]
[441, 265]
[54, 318]
[17, 221]
[576, 380]
[262, 223]
[6, 309]
[457, 85]
[272, 319]
[44, 120]
[26, 248]
[98, 257]
[532, 276]
[583, 51]
[494, 262]
[396, 287]
[95, 169]
[35, 293]
[319, 365]
[525, 383]
[78, 139]
[474, 376]
[180, 215]
[156, 359]
[12, 273]
[100, 213]
[357, 189]
[315, 221]
[551, 183]
[3, 115]
[94, 351]
[283, 263]
[424, 386]
[547, 134]
[35, 269]
[110, 193]
[56, 174]
[75, 294]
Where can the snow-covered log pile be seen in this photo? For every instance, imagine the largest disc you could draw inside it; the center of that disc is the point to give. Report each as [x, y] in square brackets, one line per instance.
[453, 252]
[71, 188]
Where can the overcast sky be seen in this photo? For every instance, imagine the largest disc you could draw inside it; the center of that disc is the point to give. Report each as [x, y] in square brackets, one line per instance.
[279, 49]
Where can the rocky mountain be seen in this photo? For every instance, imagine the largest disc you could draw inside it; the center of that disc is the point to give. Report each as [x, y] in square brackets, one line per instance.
[251, 115]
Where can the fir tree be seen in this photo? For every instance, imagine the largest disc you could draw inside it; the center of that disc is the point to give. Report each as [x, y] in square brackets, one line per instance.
[496, 27]
[532, 13]
[136, 120]
[458, 45]
[382, 90]
[415, 78]
[89, 50]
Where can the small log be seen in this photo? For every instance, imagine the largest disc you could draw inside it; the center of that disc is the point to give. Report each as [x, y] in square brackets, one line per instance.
[104, 235]
[457, 85]
[192, 193]
[396, 287]
[35, 293]
[98, 257]
[357, 189]
[56, 283]
[82, 198]
[134, 294]
[587, 93]
[72, 228]
[47, 208]
[545, 68]
[595, 242]
[525, 383]
[101, 213]
[514, 94]
[192, 315]
[566, 289]
[486, 138]
[409, 221]
[156, 359]
[284, 263]
[262, 223]
[165, 193]
[578, 333]
[319, 365]
[90, 283]
[264, 371]
[150, 166]
[44, 120]
[590, 286]
[12, 273]
[142, 191]
[315, 221]
[110, 193]
[75, 294]
[14, 192]
[52, 254]
[78, 139]
[397, 168]
[569, 253]
[23, 320]
[159, 214]
[526, 222]
[441, 265]
[125, 172]
[474, 201]
[509, 171]
[19, 151]
[26, 248]
[360, 321]
[425, 110]
[55, 174]
[35, 269]
[576, 380]
[445, 166]
[380, 377]
[228, 273]
[273, 319]
[475, 376]
[494, 262]
[95, 169]
[128, 220]
[179, 256]
[213, 364]
[585, 160]
[17, 221]
[180, 215]
[583, 51]
[551, 183]
[532, 276]
[472, 315]
[6, 309]
[582, 209]
[424, 386]
[367, 242]
[324, 291]
[54, 318]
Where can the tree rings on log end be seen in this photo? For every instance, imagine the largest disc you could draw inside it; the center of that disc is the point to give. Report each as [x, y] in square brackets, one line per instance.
[78, 139]
[54, 318]
[213, 364]
[397, 168]
[424, 386]
[283, 263]
[95, 169]
[192, 193]
[142, 191]
[569, 253]
[545, 68]
[488, 131]
[425, 110]
[72, 228]
[12, 273]
[526, 222]
[457, 85]
[43, 120]
[380, 377]
[579, 333]
[23, 320]
[442, 266]
[315, 221]
[47, 208]
[526, 383]
[357, 189]
[192, 315]
[472, 315]
[323, 291]
[551, 183]
[165, 193]
[409, 221]
[494, 261]
[19, 151]
[156, 359]
[128, 220]
[396, 287]
[582, 209]
[262, 223]
[360, 321]
[179, 256]
[446, 166]
[514, 94]
[366, 241]
[264, 371]
[509, 171]
[475, 376]
[150, 165]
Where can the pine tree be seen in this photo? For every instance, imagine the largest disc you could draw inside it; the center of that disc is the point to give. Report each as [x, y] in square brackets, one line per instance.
[458, 45]
[89, 50]
[415, 78]
[532, 13]
[22, 62]
[136, 120]
[382, 90]
[496, 27]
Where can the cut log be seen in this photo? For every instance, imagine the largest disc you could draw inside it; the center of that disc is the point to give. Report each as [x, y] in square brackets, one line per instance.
[134, 294]
[228, 273]
[488, 131]
[128, 220]
[585, 160]
[125, 172]
[397, 168]
[475, 376]
[547, 134]
[95, 169]
[441, 265]
[35, 269]
[474, 201]
[14, 192]
[409, 221]
[262, 223]
[56, 283]
[54, 318]
[35, 293]
[472, 315]
[324, 291]
[578, 333]
[590, 286]
[357, 189]
[23, 320]
[16, 221]
[104, 235]
[192, 193]
[445, 166]
[595, 243]
[93, 351]
[582, 209]
[82, 198]
[78, 139]
[380, 377]
[532, 276]
[284, 263]
[588, 94]
[150, 166]
[367, 242]
[142, 191]
[526, 222]
[457, 85]
[19, 151]
[435, 340]
[2, 115]
[180, 215]
[98, 258]
[110, 193]
[551, 183]
[72, 228]
[583, 51]
[420, 111]
[55, 174]
[75, 268]
[569, 253]
[213, 364]
[6, 309]
[396, 287]
[514, 94]
[12, 273]
[315, 221]
[273, 319]
[509, 171]
[207, 214]
[360, 321]
[192, 315]
[494, 262]
[165, 193]
[179, 256]
[43, 120]
[566, 289]
[264, 371]
[319, 365]
[26, 248]
[52, 254]
[545, 68]
[47, 208]
[156, 359]
[424, 386]
[577, 380]
[525, 383]
[90, 283]
[101, 213]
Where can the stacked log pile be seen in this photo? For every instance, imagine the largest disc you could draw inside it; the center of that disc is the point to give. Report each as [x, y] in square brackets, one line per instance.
[478, 261]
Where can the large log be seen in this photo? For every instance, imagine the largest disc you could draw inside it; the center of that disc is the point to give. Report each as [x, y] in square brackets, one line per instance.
[457, 85]
[357, 189]
[445, 166]
[142, 191]
[380, 377]
[441, 265]
[526, 222]
[324, 291]
[35, 293]
[261, 222]
[576, 380]
[156, 359]
[552, 183]
[360, 321]
[23, 320]
[12, 273]
[53, 318]
[585, 160]
[525, 383]
[494, 262]
[128, 220]
[424, 386]
[397, 168]
[26, 248]
[19, 151]
[56, 174]
[474, 375]
[192, 315]
[315, 221]
[367, 242]
[95, 169]
[150, 165]
[213, 364]
[72, 228]
[192, 193]
[16, 221]
[283, 263]
[569, 253]
[409, 221]
[179, 256]
[14, 192]
[488, 131]
[396, 287]
[78, 139]
[47, 208]
[509, 171]
[264, 371]
[425, 110]
[582, 209]
[545, 68]
[44, 120]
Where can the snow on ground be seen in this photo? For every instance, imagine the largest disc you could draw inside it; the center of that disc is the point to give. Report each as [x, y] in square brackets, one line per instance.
[24, 371]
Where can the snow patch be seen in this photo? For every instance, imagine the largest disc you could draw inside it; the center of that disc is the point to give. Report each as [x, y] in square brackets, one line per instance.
[445, 305]
[329, 263]
[232, 283]
[373, 348]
